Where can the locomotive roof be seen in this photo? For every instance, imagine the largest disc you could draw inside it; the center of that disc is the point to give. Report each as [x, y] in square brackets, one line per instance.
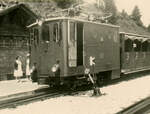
[75, 19]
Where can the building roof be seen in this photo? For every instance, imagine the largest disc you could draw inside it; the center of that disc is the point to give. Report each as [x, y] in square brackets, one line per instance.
[30, 14]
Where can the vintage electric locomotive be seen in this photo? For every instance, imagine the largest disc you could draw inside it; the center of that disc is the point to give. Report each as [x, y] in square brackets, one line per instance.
[65, 48]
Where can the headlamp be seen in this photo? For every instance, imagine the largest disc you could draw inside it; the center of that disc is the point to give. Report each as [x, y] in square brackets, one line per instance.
[54, 69]
[87, 71]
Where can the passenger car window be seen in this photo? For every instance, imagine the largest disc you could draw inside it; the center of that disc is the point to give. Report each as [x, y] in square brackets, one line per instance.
[138, 45]
[128, 45]
[144, 46]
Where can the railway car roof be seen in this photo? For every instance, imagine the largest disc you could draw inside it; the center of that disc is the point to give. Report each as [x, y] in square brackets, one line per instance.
[75, 19]
[137, 37]
[131, 35]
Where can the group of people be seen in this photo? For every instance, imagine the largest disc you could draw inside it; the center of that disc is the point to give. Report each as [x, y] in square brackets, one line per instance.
[18, 70]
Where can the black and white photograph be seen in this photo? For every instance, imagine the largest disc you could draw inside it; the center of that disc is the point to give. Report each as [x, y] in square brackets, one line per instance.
[74, 57]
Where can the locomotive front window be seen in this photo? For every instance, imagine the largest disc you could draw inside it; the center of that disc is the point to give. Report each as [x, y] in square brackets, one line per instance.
[45, 33]
[56, 30]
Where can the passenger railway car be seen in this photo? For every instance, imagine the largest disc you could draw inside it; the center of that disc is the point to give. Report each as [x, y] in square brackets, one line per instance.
[73, 43]
[134, 53]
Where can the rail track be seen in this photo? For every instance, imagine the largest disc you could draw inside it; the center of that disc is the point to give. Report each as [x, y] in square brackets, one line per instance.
[138, 108]
[23, 98]
[28, 97]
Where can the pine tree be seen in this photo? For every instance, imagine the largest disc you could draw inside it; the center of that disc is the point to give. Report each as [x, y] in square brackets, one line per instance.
[65, 3]
[110, 7]
[136, 16]
[124, 14]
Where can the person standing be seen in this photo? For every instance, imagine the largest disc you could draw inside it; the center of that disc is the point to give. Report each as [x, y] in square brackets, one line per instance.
[18, 73]
[28, 73]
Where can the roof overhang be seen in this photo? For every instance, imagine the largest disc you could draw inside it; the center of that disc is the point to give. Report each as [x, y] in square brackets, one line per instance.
[24, 8]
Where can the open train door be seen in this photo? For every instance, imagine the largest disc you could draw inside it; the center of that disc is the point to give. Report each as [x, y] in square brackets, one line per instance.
[75, 44]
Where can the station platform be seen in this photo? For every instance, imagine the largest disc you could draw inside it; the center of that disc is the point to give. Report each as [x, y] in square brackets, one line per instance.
[114, 99]
[10, 87]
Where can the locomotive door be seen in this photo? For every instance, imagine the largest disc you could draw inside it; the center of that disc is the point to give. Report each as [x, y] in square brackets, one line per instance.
[75, 44]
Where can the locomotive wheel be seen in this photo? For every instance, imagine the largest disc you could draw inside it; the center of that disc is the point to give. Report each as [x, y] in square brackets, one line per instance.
[100, 80]
[71, 86]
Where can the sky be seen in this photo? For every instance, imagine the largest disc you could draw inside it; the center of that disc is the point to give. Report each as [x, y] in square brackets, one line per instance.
[128, 5]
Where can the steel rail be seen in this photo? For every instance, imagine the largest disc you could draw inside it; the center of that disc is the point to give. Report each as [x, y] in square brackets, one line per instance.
[27, 99]
[136, 107]
[14, 102]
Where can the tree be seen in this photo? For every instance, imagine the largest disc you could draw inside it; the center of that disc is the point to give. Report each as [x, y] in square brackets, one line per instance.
[110, 7]
[124, 14]
[136, 16]
[65, 3]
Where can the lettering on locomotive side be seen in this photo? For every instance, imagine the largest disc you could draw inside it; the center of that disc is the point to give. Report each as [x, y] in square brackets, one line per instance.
[92, 61]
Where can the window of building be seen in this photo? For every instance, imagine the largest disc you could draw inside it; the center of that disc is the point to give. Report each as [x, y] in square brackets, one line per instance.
[36, 36]
[31, 36]
[138, 45]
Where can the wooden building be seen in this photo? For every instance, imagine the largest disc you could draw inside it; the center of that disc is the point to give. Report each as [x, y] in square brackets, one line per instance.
[14, 36]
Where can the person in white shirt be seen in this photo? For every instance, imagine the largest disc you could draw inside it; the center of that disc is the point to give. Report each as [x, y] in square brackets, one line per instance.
[28, 72]
[18, 73]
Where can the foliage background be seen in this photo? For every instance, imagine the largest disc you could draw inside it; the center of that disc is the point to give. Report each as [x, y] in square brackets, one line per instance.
[128, 23]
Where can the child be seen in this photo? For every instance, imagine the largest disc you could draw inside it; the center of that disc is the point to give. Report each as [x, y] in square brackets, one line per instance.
[34, 73]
